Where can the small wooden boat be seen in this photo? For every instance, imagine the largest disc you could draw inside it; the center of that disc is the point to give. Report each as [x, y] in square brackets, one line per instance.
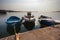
[11, 22]
[29, 24]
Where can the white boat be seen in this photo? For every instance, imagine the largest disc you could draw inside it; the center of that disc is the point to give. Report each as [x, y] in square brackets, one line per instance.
[29, 23]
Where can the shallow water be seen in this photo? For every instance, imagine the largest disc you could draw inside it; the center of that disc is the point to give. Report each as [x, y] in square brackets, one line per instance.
[4, 17]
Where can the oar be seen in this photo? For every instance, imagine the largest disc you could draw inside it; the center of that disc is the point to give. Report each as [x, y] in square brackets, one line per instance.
[16, 34]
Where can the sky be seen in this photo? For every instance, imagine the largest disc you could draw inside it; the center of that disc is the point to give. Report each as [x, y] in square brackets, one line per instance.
[30, 5]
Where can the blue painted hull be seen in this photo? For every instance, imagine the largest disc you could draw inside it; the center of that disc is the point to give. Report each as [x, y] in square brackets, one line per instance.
[46, 23]
[10, 27]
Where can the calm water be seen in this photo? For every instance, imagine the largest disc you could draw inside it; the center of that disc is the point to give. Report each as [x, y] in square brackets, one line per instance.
[4, 17]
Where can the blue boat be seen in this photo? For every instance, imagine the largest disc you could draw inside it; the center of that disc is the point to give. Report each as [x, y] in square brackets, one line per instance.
[11, 22]
[46, 21]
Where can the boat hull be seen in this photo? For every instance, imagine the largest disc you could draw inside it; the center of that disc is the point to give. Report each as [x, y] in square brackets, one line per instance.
[11, 23]
[29, 25]
[10, 28]
[44, 23]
